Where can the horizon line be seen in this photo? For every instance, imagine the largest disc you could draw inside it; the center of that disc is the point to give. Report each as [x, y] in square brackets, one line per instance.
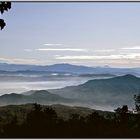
[103, 66]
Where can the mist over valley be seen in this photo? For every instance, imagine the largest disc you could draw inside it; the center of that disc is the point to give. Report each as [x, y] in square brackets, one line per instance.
[102, 90]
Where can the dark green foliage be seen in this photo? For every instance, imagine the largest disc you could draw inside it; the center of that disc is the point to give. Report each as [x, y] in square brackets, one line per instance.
[4, 6]
[37, 107]
[137, 102]
[45, 123]
[122, 110]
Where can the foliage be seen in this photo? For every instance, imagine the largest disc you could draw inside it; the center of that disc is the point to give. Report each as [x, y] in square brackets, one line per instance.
[4, 6]
[137, 102]
[43, 122]
[122, 110]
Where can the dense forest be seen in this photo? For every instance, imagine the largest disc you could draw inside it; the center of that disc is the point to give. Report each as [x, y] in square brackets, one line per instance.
[43, 122]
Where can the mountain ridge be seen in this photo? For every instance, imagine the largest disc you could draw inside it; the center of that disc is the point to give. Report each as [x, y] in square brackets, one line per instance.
[70, 68]
[39, 96]
[114, 92]
[111, 91]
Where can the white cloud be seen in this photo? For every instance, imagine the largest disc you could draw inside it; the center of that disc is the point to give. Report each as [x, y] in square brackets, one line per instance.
[132, 48]
[87, 57]
[107, 50]
[61, 49]
[53, 44]
[103, 57]
[19, 60]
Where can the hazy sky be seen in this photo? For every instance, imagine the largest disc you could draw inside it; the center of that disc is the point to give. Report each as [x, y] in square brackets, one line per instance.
[93, 34]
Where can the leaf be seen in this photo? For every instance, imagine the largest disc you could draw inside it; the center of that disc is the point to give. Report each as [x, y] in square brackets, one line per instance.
[2, 24]
[5, 6]
[9, 5]
[2, 11]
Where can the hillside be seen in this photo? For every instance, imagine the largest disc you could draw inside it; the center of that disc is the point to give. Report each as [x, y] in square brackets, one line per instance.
[62, 111]
[59, 121]
[113, 91]
[40, 96]
[105, 94]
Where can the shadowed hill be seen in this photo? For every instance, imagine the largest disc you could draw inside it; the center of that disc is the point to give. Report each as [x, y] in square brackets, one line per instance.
[104, 93]
[40, 96]
[113, 91]
[57, 121]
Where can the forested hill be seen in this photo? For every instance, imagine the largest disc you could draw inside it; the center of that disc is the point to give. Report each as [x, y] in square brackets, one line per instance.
[118, 90]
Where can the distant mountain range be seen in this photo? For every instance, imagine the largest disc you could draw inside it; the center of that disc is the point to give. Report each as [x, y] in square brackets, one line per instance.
[36, 76]
[112, 92]
[68, 68]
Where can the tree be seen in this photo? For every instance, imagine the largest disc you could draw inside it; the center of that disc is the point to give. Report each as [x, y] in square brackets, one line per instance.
[122, 110]
[122, 115]
[37, 107]
[50, 113]
[137, 102]
[4, 6]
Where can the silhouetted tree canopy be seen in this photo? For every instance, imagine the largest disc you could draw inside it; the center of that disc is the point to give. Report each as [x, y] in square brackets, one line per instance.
[122, 110]
[37, 107]
[45, 122]
[4, 6]
[137, 102]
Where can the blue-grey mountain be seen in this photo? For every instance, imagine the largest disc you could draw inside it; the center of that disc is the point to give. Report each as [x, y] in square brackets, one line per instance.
[112, 92]
[75, 69]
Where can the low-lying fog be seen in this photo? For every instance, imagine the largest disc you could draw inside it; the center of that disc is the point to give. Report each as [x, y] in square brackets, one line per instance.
[20, 84]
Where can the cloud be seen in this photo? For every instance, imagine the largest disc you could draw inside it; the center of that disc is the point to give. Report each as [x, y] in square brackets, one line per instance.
[53, 44]
[61, 49]
[87, 57]
[107, 50]
[103, 57]
[132, 48]
[19, 60]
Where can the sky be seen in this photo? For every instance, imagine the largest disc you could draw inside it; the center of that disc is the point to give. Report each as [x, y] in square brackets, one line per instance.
[90, 34]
